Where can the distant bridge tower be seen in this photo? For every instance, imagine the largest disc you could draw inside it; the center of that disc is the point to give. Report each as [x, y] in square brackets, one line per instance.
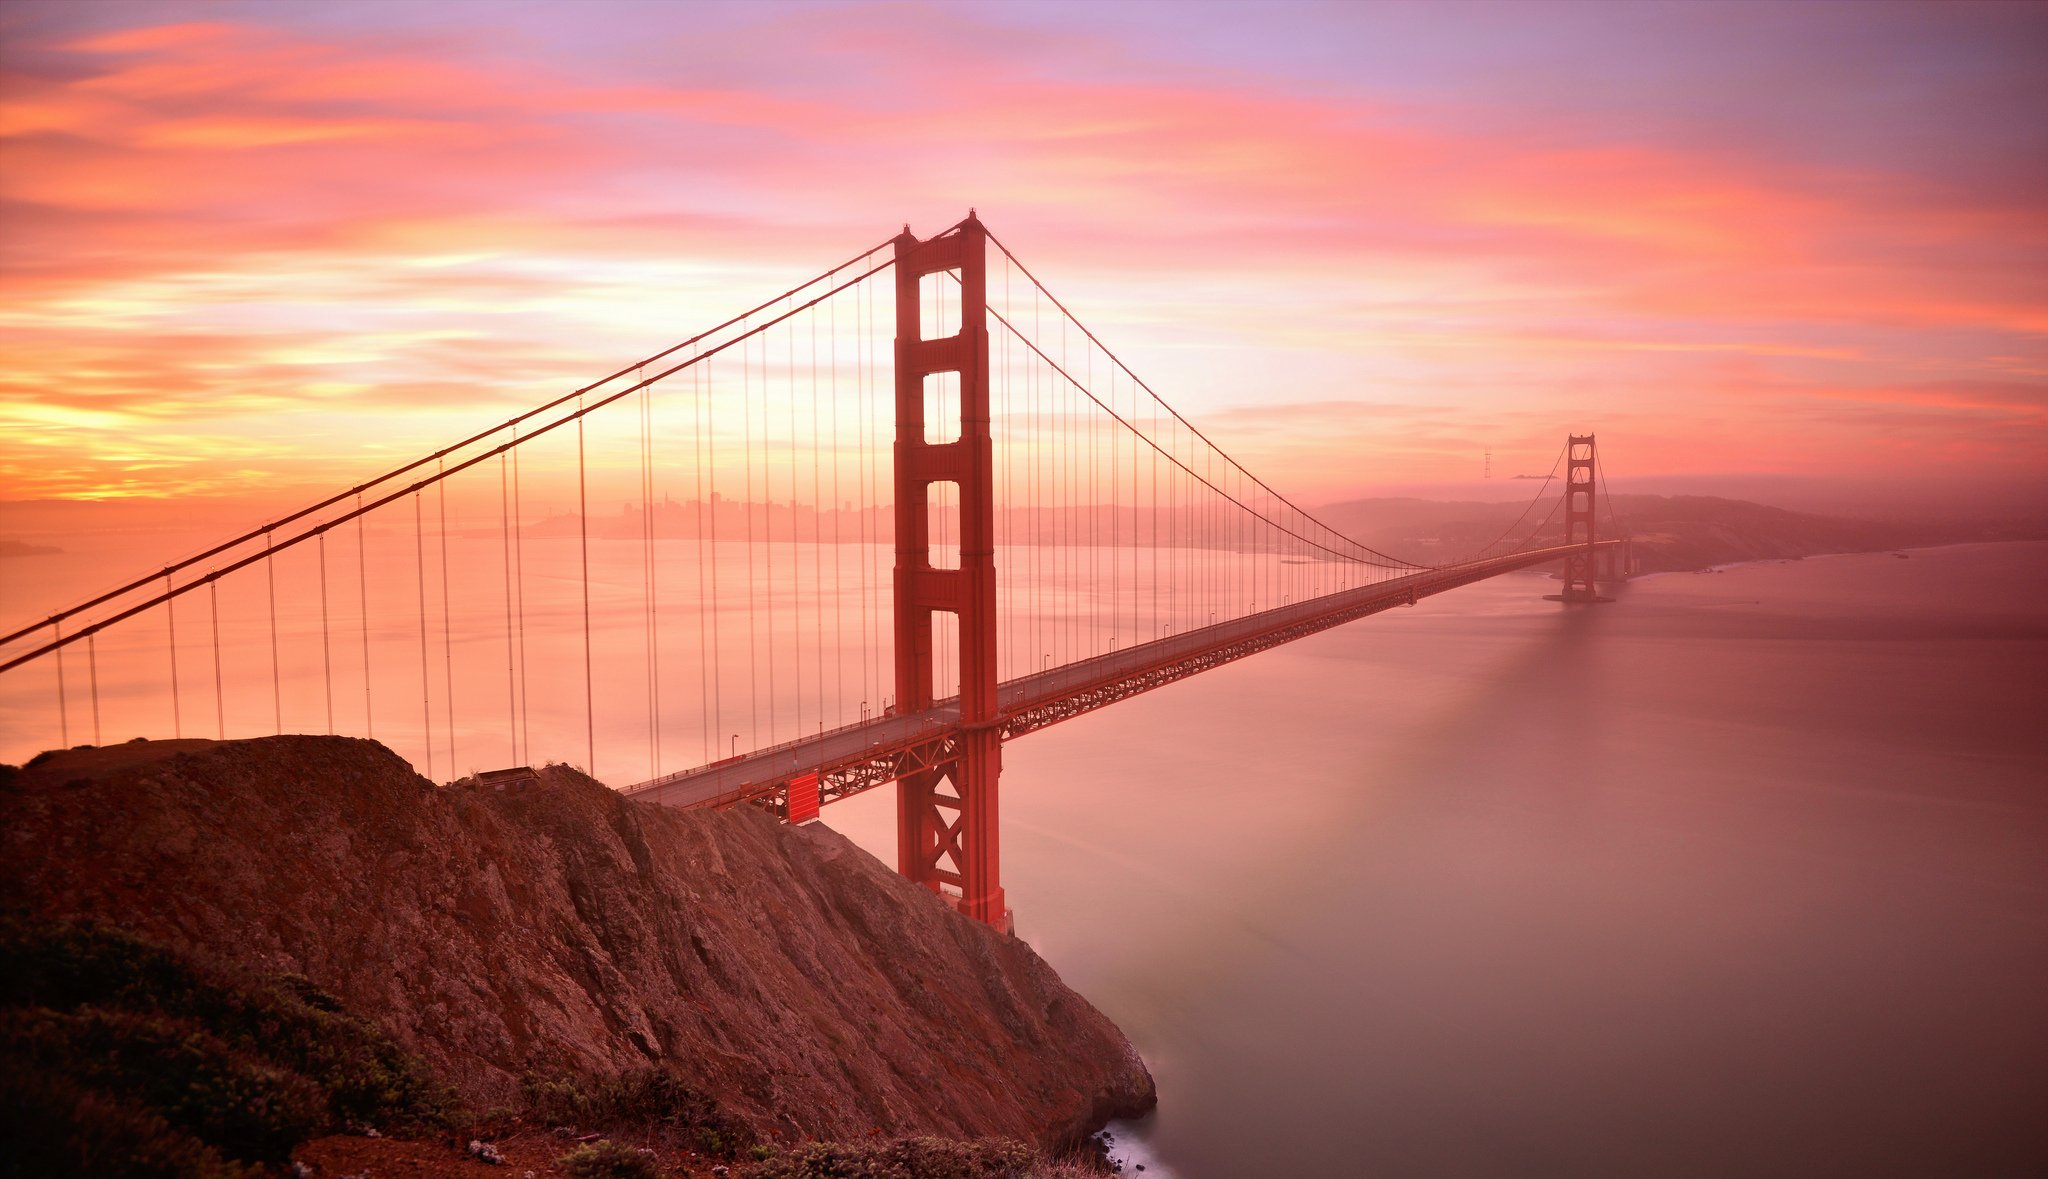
[946, 817]
[1580, 496]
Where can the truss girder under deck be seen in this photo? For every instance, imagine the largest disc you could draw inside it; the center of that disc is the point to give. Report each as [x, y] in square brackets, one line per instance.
[899, 748]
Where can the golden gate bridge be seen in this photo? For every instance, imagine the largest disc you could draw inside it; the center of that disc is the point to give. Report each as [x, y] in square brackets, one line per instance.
[890, 560]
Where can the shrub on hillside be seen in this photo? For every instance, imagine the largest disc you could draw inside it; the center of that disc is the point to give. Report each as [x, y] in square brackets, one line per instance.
[650, 1101]
[129, 1051]
[905, 1158]
[607, 1160]
[225, 1097]
[55, 1126]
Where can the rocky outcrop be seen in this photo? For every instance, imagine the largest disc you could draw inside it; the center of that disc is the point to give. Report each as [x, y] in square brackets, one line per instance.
[558, 927]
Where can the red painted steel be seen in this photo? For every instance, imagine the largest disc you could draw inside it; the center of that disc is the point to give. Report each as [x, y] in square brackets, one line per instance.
[1579, 568]
[901, 746]
[803, 799]
[946, 815]
[946, 754]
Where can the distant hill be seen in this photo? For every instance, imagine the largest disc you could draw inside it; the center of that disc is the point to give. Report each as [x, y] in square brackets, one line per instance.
[1672, 532]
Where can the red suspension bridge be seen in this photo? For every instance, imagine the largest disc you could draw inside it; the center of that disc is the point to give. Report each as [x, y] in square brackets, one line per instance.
[886, 562]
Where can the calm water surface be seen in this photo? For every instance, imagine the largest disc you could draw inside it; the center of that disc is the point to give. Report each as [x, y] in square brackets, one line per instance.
[1745, 873]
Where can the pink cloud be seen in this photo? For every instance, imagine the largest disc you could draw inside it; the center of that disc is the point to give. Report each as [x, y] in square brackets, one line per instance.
[167, 178]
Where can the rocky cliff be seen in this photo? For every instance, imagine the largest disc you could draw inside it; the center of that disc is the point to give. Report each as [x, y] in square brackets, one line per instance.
[561, 929]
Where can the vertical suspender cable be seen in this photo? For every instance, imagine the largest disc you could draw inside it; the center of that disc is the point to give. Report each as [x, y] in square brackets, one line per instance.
[419, 564]
[447, 633]
[747, 462]
[362, 601]
[1040, 452]
[220, 699]
[1004, 613]
[705, 655]
[171, 623]
[92, 673]
[647, 578]
[519, 604]
[766, 589]
[769, 536]
[63, 705]
[817, 550]
[1121, 538]
[653, 583]
[1183, 583]
[326, 646]
[1116, 552]
[511, 677]
[1063, 510]
[882, 521]
[1082, 643]
[862, 355]
[795, 559]
[276, 677]
[1096, 643]
[583, 539]
[711, 471]
[838, 554]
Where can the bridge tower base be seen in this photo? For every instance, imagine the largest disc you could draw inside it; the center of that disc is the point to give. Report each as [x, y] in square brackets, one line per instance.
[1582, 568]
[946, 818]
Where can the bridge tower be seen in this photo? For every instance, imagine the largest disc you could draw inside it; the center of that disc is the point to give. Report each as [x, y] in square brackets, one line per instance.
[946, 834]
[1580, 499]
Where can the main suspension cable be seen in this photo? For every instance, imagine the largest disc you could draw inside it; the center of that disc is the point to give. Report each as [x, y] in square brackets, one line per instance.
[358, 512]
[1531, 506]
[1175, 460]
[443, 453]
[1399, 562]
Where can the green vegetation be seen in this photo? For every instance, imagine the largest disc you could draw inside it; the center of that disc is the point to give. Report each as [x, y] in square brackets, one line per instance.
[652, 1102]
[905, 1158]
[607, 1160]
[120, 1056]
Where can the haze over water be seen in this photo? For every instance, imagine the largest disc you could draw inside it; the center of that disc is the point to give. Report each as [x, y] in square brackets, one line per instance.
[1742, 874]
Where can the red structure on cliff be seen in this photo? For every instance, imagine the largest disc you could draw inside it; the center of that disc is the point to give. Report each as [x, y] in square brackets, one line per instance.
[1139, 553]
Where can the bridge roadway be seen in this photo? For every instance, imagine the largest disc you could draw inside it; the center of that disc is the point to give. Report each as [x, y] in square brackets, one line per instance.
[882, 749]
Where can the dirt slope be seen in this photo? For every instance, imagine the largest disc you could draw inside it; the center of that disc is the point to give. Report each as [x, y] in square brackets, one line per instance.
[563, 928]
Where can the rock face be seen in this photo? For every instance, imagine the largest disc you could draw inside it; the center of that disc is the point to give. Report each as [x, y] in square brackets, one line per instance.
[559, 927]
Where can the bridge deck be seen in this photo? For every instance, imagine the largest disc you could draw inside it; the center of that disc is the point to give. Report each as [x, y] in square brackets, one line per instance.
[876, 751]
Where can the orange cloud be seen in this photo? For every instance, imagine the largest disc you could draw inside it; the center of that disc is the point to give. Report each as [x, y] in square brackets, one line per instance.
[212, 218]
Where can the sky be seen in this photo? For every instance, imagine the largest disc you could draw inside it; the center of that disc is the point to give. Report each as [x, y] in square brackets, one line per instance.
[279, 245]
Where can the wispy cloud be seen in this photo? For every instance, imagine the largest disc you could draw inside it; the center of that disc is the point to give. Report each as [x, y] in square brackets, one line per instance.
[236, 220]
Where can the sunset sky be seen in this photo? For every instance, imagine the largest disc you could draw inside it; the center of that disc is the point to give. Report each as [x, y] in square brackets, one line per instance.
[286, 243]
